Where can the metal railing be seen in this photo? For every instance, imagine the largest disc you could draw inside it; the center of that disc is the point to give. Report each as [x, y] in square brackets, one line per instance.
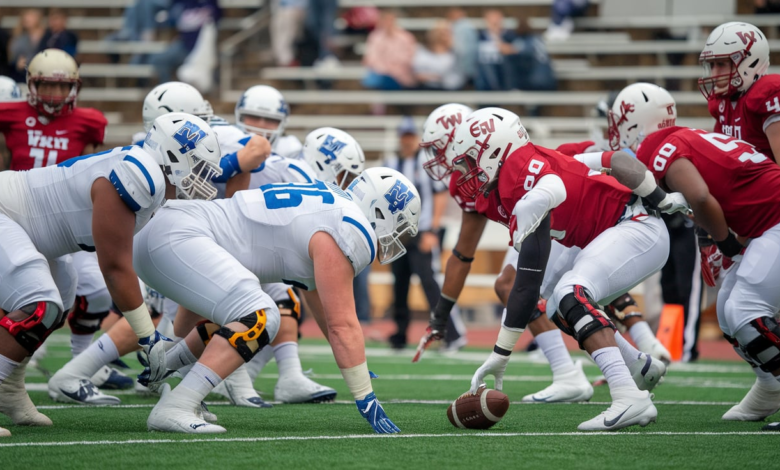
[254, 24]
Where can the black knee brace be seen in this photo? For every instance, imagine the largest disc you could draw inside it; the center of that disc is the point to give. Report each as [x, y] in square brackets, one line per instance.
[247, 343]
[31, 332]
[290, 307]
[616, 310]
[762, 345]
[81, 322]
[579, 316]
[206, 330]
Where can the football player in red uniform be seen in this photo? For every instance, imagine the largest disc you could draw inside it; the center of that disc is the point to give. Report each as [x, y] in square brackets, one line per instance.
[728, 183]
[542, 194]
[742, 97]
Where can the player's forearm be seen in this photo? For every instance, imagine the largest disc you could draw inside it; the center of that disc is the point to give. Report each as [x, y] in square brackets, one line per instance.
[237, 183]
[455, 274]
[122, 284]
[709, 215]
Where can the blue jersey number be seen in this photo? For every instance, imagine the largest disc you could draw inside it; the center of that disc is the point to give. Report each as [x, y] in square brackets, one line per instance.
[281, 195]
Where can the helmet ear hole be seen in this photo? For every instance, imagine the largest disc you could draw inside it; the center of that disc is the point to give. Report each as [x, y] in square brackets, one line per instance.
[378, 214]
[172, 157]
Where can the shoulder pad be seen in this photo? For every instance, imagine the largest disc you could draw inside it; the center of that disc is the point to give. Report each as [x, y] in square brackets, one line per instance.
[138, 179]
[765, 89]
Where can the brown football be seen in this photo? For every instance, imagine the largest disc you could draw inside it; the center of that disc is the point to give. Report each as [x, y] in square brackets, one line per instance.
[479, 411]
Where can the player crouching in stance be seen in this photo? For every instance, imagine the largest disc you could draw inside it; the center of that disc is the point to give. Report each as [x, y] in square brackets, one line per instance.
[93, 203]
[540, 194]
[211, 258]
[731, 186]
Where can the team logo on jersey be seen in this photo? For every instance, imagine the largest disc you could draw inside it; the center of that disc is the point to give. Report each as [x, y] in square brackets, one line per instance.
[188, 136]
[330, 147]
[398, 196]
[722, 106]
[447, 121]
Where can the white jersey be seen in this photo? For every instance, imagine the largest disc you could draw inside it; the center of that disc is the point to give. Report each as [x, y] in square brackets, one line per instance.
[54, 204]
[268, 230]
[278, 169]
[289, 146]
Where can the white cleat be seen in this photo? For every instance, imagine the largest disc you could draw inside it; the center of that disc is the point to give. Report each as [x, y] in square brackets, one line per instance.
[570, 387]
[205, 414]
[68, 389]
[647, 372]
[170, 416]
[635, 407]
[658, 351]
[4, 432]
[297, 388]
[761, 401]
[238, 388]
[15, 402]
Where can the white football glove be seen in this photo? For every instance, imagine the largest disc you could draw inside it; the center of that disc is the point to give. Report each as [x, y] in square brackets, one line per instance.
[674, 202]
[494, 365]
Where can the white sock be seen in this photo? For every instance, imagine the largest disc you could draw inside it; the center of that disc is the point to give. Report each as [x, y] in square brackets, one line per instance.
[627, 350]
[767, 379]
[643, 336]
[201, 380]
[286, 355]
[98, 354]
[551, 344]
[179, 356]
[78, 343]
[256, 365]
[614, 369]
[6, 367]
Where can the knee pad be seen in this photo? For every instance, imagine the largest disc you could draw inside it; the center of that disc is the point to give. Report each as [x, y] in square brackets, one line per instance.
[206, 330]
[579, 316]
[760, 342]
[31, 332]
[249, 342]
[81, 322]
[290, 307]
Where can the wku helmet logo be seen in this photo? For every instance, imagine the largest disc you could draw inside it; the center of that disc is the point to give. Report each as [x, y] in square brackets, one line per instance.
[451, 120]
[398, 196]
[747, 37]
[188, 136]
[331, 147]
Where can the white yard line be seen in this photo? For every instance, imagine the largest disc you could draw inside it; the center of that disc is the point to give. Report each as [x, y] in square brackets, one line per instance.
[372, 436]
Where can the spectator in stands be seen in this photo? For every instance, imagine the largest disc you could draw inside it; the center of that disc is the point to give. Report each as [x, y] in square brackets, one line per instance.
[767, 6]
[5, 39]
[562, 18]
[528, 64]
[24, 45]
[319, 22]
[494, 43]
[189, 17]
[57, 35]
[465, 39]
[286, 25]
[389, 53]
[435, 67]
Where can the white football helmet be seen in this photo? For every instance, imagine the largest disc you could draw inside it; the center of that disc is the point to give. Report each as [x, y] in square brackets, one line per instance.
[437, 138]
[748, 50]
[175, 97]
[265, 102]
[639, 110]
[187, 149]
[9, 90]
[482, 143]
[334, 155]
[391, 204]
[53, 65]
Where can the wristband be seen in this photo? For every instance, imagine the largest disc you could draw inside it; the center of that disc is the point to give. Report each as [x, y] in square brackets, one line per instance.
[358, 380]
[140, 321]
[655, 197]
[730, 247]
[458, 255]
[508, 338]
[443, 307]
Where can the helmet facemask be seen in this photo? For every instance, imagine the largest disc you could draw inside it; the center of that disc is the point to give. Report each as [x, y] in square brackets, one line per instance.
[52, 105]
[197, 184]
[391, 245]
[708, 84]
[616, 120]
[436, 164]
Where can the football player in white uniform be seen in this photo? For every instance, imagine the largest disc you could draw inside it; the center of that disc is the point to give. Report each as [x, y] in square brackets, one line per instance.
[314, 236]
[262, 110]
[95, 202]
[9, 90]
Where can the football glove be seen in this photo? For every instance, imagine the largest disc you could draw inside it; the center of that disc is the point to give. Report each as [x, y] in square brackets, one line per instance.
[370, 409]
[711, 264]
[674, 202]
[494, 365]
[437, 326]
[152, 357]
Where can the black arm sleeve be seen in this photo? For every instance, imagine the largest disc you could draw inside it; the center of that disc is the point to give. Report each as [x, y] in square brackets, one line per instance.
[534, 253]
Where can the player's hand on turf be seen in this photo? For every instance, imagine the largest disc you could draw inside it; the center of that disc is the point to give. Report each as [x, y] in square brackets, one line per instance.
[674, 202]
[152, 356]
[495, 365]
[370, 409]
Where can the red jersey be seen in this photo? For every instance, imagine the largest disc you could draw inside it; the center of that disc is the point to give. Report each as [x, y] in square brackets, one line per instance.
[743, 181]
[34, 145]
[748, 116]
[575, 148]
[594, 202]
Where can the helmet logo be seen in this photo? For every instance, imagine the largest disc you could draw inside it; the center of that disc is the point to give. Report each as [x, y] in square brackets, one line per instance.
[398, 196]
[283, 108]
[188, 136]
[747, 37]
[330, 147]
[482, 128]
[447, 121]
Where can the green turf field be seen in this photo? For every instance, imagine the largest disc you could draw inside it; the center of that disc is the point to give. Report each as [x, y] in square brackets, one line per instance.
[689, 433]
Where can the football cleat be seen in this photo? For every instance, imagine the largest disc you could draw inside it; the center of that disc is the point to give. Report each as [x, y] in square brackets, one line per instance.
[172, 415]
[658, 351]
[647, 372]
[238, 388]
[297, 388]
[570, 387]
[761, 401]
[66, 389]
[769, 427]
[205, 414]
[634, 407]
[4, 432]
[111, 379]
[15, 402]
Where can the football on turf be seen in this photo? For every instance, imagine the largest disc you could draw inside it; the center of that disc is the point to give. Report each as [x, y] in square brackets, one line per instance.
[479, 411]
